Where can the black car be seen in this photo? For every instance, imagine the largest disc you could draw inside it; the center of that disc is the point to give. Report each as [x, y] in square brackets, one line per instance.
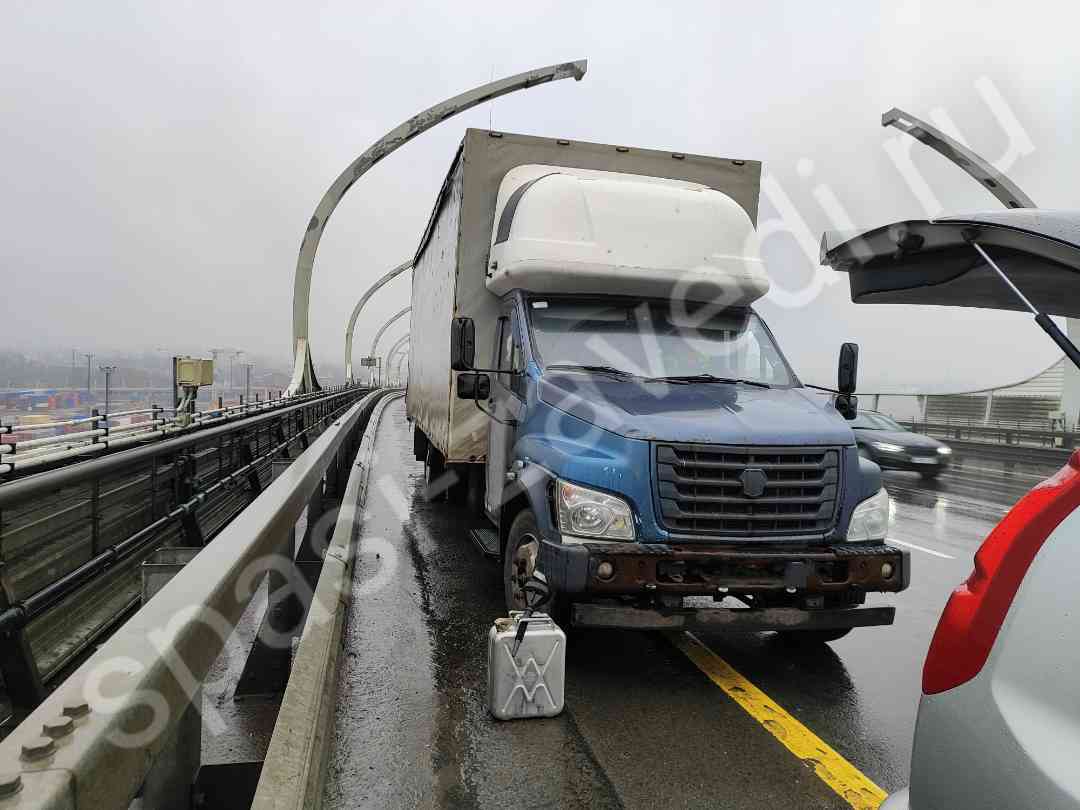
[894, 447]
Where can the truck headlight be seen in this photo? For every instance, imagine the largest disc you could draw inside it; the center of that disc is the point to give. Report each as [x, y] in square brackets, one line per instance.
[887, 447]
[588, 513]
[870, 520]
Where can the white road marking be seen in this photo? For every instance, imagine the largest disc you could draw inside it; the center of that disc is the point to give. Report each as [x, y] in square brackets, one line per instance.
[920, 548]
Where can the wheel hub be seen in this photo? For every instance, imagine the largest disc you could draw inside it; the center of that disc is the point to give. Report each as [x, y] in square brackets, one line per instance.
[524, 563]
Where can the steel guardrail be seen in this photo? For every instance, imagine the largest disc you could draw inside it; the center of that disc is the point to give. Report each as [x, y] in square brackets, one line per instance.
[16, 489]
[91, 743]
[1049, 457]
[32, 606]
[294, 769]
[1001, 434]
[72, 538]
[1001, 443]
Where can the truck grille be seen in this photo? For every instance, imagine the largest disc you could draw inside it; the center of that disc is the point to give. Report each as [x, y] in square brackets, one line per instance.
[747, 491]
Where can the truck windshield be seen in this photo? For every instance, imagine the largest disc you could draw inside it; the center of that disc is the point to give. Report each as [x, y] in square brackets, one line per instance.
[654, 339]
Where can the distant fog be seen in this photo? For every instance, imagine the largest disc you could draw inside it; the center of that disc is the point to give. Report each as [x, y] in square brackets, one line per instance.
[161, 161]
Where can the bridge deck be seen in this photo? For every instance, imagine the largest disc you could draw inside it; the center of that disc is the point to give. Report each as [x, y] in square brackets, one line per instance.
[652, 720]
[643, 725]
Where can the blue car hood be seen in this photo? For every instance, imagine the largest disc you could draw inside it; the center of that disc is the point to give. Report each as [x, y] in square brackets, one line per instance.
[709, 413]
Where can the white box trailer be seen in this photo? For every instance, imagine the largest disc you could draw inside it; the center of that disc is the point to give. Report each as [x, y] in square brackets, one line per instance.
[453, 271]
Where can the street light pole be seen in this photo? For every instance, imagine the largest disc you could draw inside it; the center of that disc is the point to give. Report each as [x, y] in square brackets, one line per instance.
[401, 268]
[401, 342]
[382, 329]
[214, 353]
[88, 357]
[108, 371]
[304, 378]
[232, 376]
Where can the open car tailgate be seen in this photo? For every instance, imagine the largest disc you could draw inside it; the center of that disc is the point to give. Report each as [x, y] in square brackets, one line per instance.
[933, 262]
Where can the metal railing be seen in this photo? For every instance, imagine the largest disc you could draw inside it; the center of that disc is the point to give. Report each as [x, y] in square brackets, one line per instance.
[123, 713]
[1000, 433]
[72, 538]
[96, 433]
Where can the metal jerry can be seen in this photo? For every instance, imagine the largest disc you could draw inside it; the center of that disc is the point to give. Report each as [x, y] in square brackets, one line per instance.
[532, 682]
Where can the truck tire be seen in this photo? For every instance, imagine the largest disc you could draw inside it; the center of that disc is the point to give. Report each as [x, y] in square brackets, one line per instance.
[519, 561]
[434, 467]
[420, 444]
[806, 638]
[457, 492]
[474, 493]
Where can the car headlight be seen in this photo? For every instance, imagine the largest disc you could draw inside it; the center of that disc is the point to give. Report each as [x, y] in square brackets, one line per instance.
[945, 451]
[886, 447]
[870, 520]
[588, 513]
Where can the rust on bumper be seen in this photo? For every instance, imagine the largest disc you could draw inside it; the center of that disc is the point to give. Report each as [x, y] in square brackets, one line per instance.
[690, 570]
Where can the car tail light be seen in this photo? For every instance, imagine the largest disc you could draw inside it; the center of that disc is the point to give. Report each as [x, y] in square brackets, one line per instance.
[970, 622]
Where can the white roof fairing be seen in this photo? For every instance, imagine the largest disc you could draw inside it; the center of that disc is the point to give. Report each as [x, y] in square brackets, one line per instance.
[565, 230]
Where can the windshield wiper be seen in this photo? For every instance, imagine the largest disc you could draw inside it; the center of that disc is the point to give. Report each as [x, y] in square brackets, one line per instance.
[614, 372]
[707, 378]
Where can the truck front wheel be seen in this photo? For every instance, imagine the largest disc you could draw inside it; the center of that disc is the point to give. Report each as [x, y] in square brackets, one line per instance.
[519, 561]
[519, 558]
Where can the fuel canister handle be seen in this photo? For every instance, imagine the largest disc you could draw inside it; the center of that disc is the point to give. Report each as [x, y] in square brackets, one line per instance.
[537, 593]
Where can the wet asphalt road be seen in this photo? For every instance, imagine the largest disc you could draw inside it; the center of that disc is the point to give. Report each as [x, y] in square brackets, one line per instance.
[643, 727]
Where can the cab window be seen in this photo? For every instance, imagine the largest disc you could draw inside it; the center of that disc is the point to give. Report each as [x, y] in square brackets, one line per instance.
[511, 356]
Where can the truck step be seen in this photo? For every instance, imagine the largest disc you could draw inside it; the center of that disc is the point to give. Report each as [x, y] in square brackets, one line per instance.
[487, 540]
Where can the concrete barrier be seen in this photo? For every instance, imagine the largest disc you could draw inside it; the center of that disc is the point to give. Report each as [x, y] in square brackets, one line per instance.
[92, 742]
[295, 766]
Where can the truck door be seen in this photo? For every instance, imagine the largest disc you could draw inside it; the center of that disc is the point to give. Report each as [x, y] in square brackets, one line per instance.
[507, 404]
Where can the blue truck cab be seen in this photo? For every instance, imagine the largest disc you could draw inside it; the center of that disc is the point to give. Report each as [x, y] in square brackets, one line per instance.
[620, 412]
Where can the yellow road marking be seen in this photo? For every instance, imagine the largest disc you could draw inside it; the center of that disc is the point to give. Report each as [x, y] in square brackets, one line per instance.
[851, 784]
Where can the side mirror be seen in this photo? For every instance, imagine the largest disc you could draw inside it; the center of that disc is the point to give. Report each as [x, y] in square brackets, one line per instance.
[847, 374]
[847, 371]
[471, 385]
[847, 405]
[462, 344]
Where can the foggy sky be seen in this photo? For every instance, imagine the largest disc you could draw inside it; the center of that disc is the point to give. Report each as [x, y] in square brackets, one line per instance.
[162, 160]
